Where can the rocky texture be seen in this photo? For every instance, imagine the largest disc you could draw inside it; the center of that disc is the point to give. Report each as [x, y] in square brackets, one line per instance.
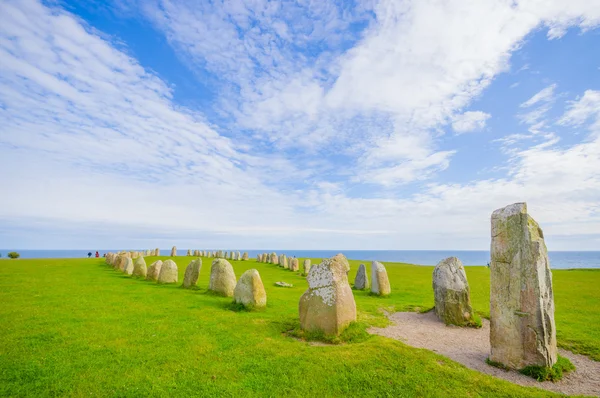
[189, 253]
[380, 284]
[294, 264]
[328, 304]
[154, 271]
[522, 329]
[120, 261]
[239, 256]
[157, 252]
[306, 267]
[139, 268]
[250, 291]
[174, 251]
[258, 258]
[265, 258]
[168, 272]
[245, 256]
[286, 263]
[192, 273]
[361, 281]
[222, 278]
[128, 266]
[283, 284]
[451, 293]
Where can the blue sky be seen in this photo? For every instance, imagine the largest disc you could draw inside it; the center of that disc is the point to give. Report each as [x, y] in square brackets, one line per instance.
[297, 124]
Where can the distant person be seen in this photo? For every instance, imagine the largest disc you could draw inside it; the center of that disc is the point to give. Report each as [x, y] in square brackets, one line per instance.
[89, 254]
[97, 254]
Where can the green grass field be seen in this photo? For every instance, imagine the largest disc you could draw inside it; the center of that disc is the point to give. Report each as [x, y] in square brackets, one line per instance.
[76, 327]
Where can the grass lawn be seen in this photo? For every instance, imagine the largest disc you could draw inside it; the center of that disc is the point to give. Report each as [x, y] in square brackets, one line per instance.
[76, 327]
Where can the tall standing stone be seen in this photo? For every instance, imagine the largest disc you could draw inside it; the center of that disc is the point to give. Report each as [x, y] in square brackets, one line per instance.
[174, 251]
[286, 263]
[139, 268]
[451, 293]
[294, 264]
[265, 258]
[245, 256]
[361, 281]
[120, 262]
[380, 284]
[128, 267]
[157, 252]
[192, 273]
[189, 253]
[168, 272]
[238, 256]
[250, 291]
[258, 258]
[154, 271]
[522, 329]
[222, 278]
[306, 266]
[328, 305]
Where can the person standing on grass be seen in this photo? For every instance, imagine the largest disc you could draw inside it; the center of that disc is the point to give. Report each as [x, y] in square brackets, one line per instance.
[97, 254]
[89, 254]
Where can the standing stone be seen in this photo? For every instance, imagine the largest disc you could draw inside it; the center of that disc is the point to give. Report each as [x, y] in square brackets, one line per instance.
[192, 273]
[245, 256]
[274, 259]
[154, 271]
[139, 268]
[451, 293]
[265, 258]
[380, 284]
[174, 251]
[250, 291]
[157, 252]
[120, 262]
[189, 253]
[306, 267]
[128, 268]
[522, 329]
[239, 256]
[168, 272]
[258, 258]
[222, 278]
[294, 264]
[328, 304]
[361, 281]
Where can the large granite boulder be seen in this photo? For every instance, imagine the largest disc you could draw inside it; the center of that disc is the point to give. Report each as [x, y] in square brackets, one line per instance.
[222, 278]
[522, 329]
[380, 284]
[139, 268]
[328, 304]
[192, 273]
[250, 291]
[306, 266]
[451, 293]
[154, 271]
[168, 272]
[361, 281]
[294, 264]
[128, 266]
[174, 251]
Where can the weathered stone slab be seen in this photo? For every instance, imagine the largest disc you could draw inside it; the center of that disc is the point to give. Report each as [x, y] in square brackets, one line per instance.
[128, 267]
[294, 264]
[250, 291]
[306, 267]
[522, 328]
[380, 284]
[361, 281]
[139, 268]
[222, 278]
[168, 272]
[174, 251]
[451, 293]
[245, 256]
[154, 271]
[328, 305]
[192, 273]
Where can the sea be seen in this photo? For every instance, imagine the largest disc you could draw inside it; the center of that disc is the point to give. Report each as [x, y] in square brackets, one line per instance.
[558, 259]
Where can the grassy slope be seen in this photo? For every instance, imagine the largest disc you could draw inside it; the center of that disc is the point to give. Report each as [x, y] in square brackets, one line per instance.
[76, 327]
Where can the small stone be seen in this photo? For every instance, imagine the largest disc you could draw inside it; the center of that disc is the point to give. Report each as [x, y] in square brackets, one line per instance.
[222, 278]
[154, 271]
[283, 284]
[380, 284]
[192, 273]
[168, 272]
[361, 281]
[250, 291]
[139, 268]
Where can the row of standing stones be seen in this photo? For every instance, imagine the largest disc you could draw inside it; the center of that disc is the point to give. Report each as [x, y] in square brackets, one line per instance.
[522, 328]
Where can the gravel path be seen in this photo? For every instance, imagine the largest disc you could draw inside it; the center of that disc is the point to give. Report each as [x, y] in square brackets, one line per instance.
[471, 347]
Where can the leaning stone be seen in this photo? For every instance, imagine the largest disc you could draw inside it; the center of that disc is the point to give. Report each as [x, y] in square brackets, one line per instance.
[522, 328]
[451, 293]
[306, 267]
[174, 251]
[128, 268]
[361, 281]
[245, 256]
[250, 291]
[168, 272]
[192, 273]
[294, 264]
[222, 278]
[380, 284]
[328, 305]
[154, 271]
[139, 268]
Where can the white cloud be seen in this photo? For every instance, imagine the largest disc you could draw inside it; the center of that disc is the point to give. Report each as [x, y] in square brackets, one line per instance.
[545, 95]
[470, 121]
